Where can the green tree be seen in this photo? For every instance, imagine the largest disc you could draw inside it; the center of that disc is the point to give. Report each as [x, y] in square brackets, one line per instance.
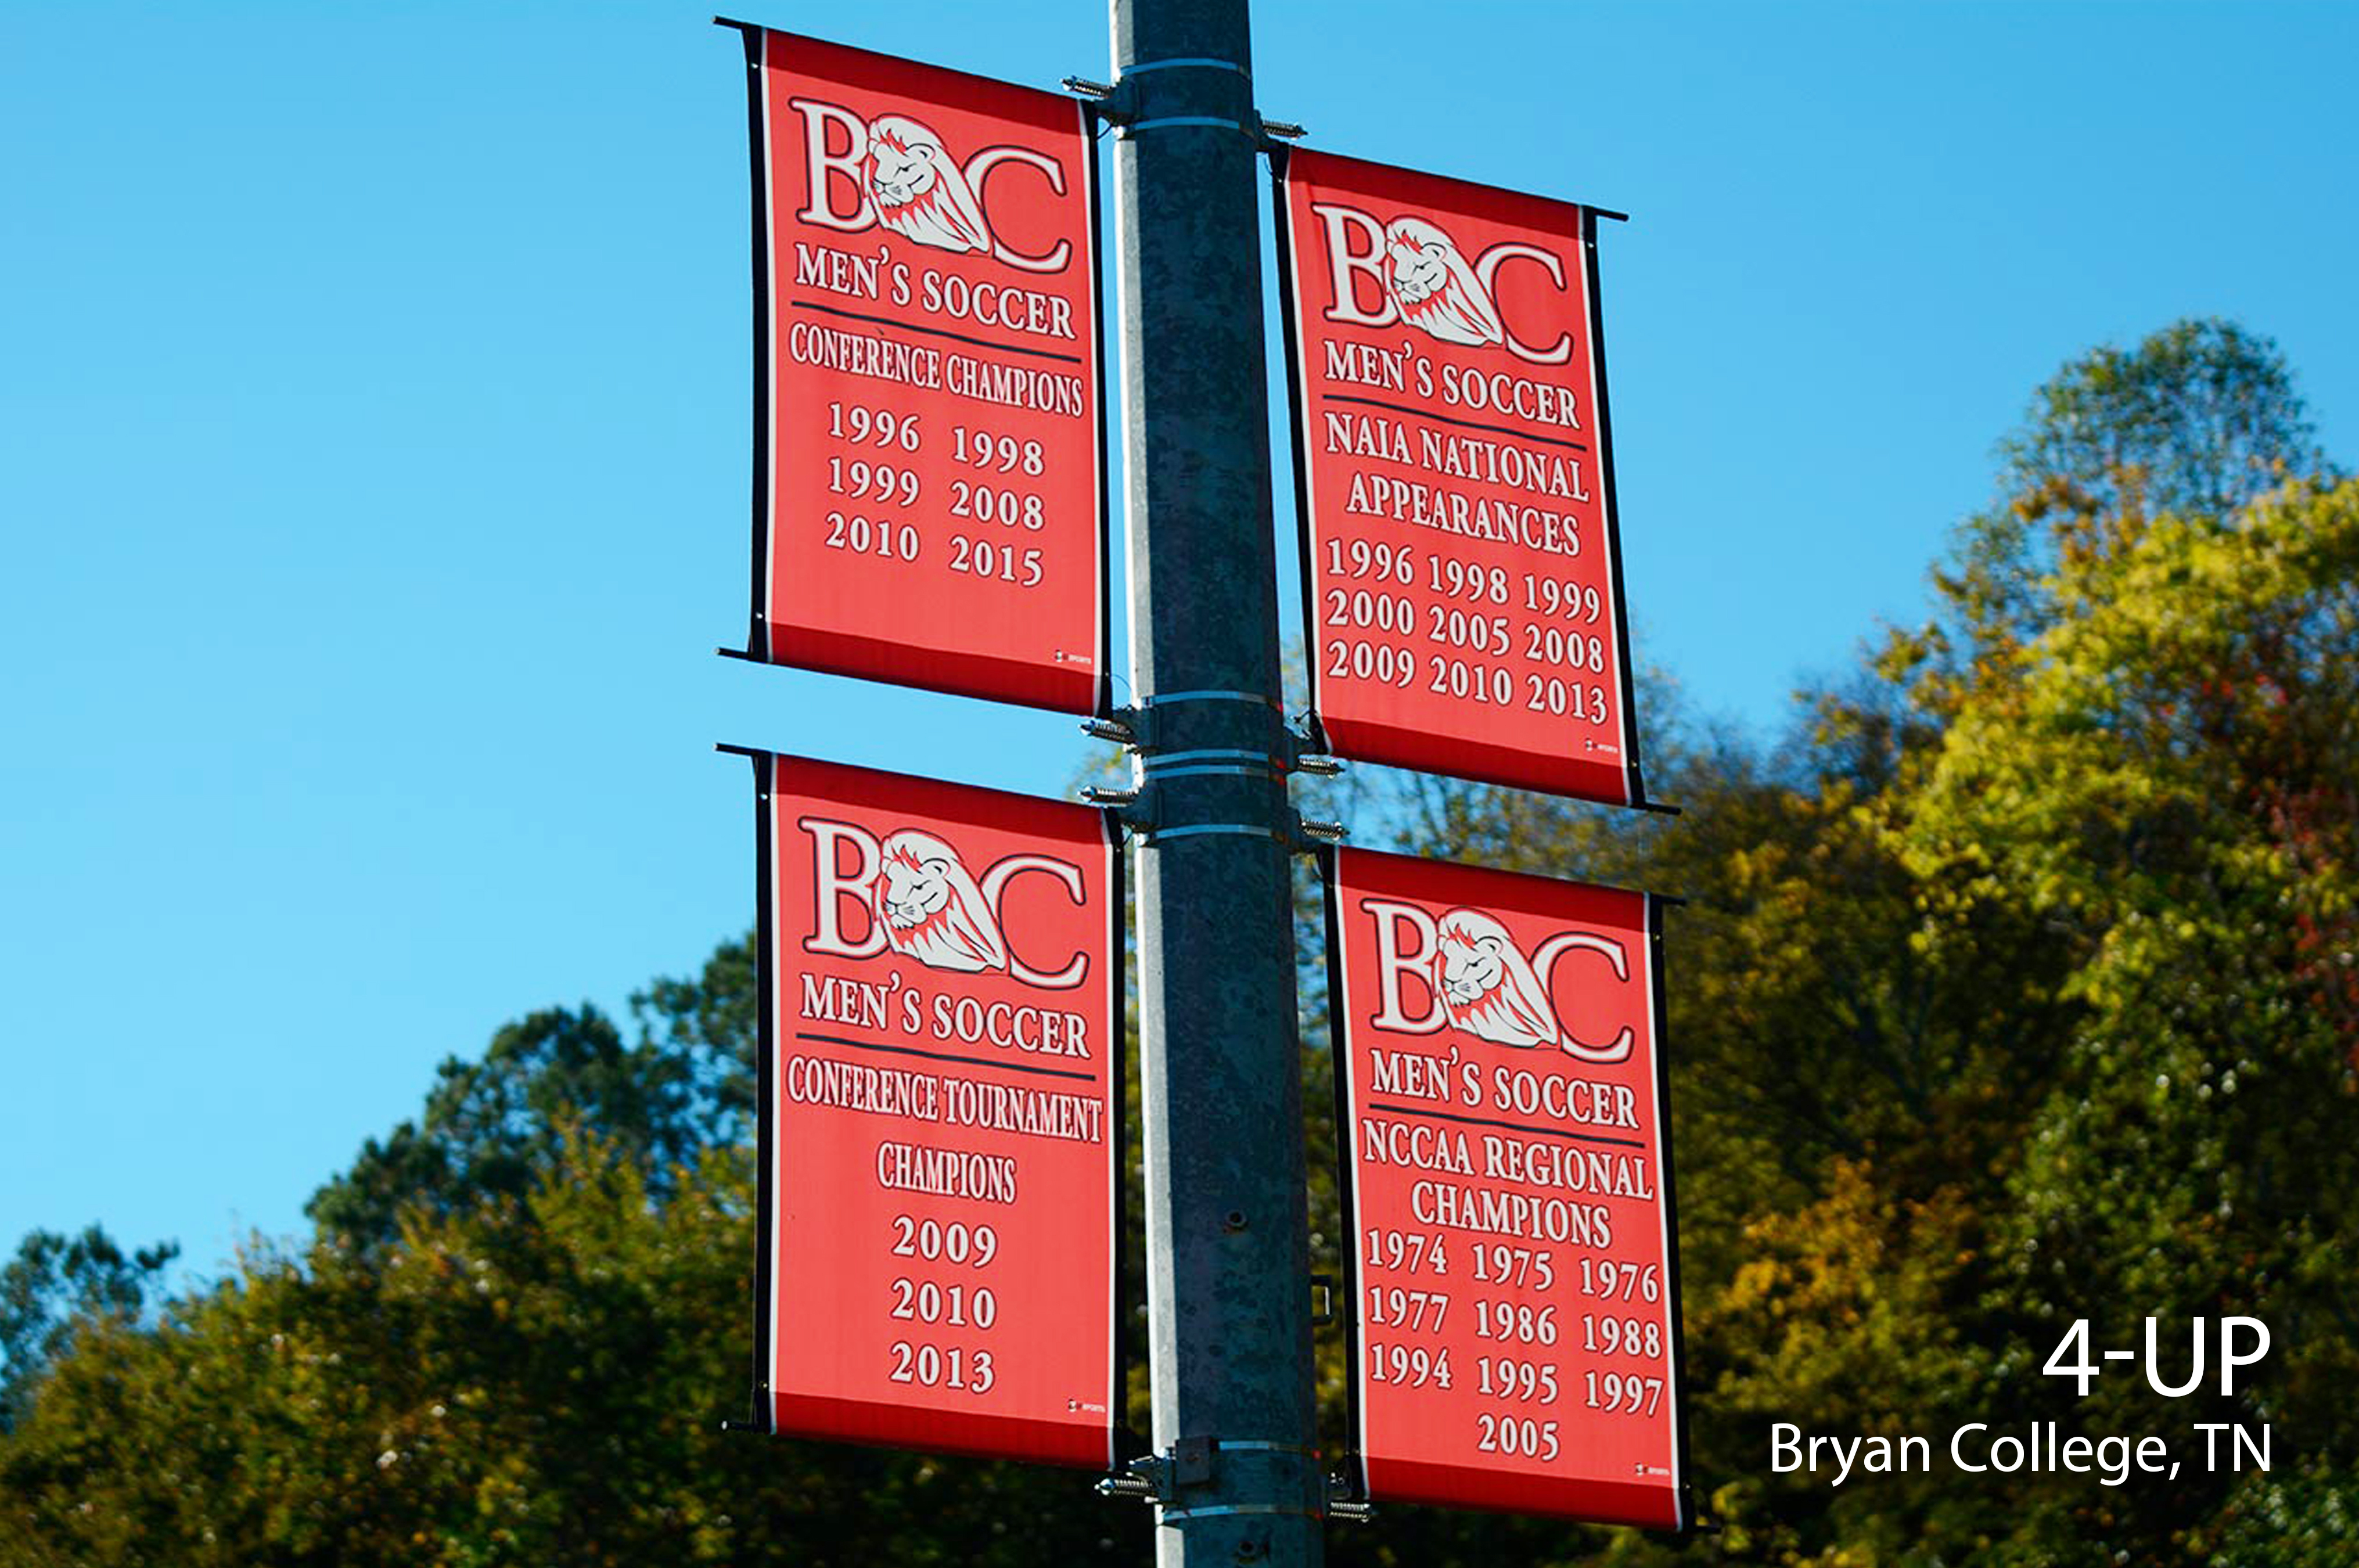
[2125, 816]
[53, 1285]
[527, 1378]
[2017, 989]
[490, 1126]
[2015, 985]
[2168, 788]
[2198, 420]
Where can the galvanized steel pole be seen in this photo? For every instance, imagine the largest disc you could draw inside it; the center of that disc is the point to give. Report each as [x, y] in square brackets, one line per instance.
[1228, 1298]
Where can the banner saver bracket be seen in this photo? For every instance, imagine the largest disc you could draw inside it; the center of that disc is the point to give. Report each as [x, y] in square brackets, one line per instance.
[1341, 1505]
[1311, 834]
[1156, 1477]
[1310, 754]
[1266, 135]
[1160, 1478]
[1121, 726]
[1136, 810]
[1119, 103]
[1134, 726]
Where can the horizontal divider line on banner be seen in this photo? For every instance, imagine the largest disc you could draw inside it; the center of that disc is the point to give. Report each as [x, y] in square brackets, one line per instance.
[1510, 1127]
[1431, 417]
[947, 1056]
[901, 326]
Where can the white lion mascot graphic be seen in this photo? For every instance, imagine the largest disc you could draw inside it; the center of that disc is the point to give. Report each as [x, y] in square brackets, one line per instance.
[1489, 987]
[919, 192]
[930, 907]
[1439, 293]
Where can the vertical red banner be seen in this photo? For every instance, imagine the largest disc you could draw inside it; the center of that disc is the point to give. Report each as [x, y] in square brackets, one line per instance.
[929, 490]
[942, 1115]
[1514, 1290]
[1461, 565]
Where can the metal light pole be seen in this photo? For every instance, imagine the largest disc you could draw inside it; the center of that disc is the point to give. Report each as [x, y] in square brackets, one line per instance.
[1228, 1296]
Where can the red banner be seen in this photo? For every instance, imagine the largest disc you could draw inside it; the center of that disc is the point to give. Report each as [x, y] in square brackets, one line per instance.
[1514, 1282]
[941, 1029]
[930, 471]
[1461, 562]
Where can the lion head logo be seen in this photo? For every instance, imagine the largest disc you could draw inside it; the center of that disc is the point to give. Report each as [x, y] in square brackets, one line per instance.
[930, 907]
[1437, 291]
[1488, 987]
[918, 189]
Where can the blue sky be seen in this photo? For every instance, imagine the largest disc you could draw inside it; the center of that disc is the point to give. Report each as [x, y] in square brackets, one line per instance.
[374, 415]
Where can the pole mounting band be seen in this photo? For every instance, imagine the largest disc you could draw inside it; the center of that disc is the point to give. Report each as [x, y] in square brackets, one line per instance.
[1193, 830]
[1211, 1511]
[1129, 128]
[1190, 764]
[1146, 65]
[1211, 695]
[1223, 769]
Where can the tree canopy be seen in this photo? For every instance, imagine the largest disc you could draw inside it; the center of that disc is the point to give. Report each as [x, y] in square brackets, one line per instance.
[2018, 984]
